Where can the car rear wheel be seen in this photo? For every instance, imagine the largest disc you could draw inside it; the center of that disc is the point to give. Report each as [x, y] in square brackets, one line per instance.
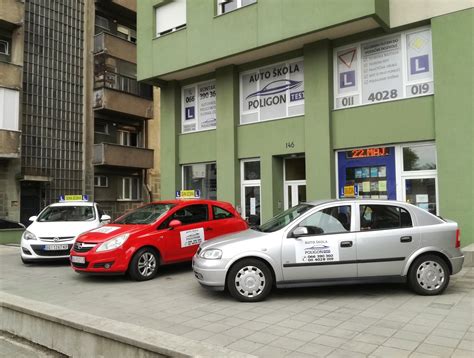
[144, 264]
[249, 280]
[429, 275]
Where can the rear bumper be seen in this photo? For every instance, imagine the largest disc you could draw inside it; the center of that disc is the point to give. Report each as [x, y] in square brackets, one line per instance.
[456, 263]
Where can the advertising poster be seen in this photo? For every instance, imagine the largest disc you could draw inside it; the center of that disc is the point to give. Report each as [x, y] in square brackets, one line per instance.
[207, 105]
[192, 237]
[316, 250]
[199, 107]
[272, 92]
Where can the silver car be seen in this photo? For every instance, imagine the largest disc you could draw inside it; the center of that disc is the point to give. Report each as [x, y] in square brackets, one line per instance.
[334, 242]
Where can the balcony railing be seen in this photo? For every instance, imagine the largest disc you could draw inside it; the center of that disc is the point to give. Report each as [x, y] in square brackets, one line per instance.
[122, 156]
[122, 83]
[115, 46]
[9, 143]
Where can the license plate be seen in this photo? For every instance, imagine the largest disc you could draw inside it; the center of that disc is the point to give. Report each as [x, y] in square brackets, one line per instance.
[78, 259]
[56, 247]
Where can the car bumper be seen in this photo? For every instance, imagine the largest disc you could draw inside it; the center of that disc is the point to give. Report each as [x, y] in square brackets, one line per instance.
[456, 263]
[114, 261]
[210, 273]
[36, 250]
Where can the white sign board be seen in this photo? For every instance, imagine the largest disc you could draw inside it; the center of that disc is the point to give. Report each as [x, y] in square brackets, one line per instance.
[192, 237]
[106, 229]
[272, 92]
[316, 250]
[198, 107]
[384, 69]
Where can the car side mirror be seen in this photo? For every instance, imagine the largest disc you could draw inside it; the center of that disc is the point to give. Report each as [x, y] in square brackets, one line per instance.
[300, 231]
[33, 218]
[174, 224]
[105, 217]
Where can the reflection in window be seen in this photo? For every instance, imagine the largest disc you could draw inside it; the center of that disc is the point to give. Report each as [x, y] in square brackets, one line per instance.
[379, 217]
[419, 158]
[329, 221]
[203, 177]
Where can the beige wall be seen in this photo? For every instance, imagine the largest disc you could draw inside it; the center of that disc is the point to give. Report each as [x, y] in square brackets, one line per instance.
[404, 12]
[153, 138]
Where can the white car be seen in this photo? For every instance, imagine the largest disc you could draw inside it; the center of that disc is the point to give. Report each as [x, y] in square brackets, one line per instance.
[53, 232]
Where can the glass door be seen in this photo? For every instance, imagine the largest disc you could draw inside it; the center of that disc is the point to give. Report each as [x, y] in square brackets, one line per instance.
[294, 181]
[422, 192]
[251, 203]
[295, 193]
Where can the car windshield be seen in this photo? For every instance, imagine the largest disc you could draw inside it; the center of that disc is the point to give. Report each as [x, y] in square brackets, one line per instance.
[147, 214]
[283, 219]
[67, 213]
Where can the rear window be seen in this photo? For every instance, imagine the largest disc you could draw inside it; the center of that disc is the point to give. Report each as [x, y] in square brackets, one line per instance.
[381, 217]
[219, 213]
[67, 213]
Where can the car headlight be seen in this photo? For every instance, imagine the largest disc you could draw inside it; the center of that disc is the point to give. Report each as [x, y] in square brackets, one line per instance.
[211, 254]
[28, 235]
[114, 243]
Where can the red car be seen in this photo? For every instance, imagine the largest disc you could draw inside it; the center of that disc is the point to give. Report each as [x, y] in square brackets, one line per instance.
[155, 234]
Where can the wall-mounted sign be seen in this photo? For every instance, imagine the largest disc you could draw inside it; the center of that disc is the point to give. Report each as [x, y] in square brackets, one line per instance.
[368, 152]
[198, 105]
[384, 69]
[272, 92]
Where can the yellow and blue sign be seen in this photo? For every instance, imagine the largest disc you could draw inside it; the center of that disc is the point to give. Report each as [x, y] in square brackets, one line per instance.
[188, 194]
[63, 198]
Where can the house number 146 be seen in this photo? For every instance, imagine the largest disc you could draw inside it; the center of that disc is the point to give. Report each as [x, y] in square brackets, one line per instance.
[289, 145]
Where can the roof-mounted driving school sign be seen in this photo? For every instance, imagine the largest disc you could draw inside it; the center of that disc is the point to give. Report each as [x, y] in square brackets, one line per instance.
[384, 69]
[188, 194]
[272, 92]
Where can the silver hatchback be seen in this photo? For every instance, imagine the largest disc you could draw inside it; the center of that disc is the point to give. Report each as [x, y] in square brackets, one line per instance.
[334, 242]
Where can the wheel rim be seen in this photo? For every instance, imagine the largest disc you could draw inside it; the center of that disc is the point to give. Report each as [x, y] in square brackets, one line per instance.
[146, 264]
[430, 275]
[250, 281]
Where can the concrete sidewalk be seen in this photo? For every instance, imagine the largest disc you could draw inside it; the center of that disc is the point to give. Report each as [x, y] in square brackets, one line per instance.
[368, 320]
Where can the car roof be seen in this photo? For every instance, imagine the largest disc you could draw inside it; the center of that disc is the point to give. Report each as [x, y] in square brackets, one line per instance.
[74, 203]
[357, 200]
[189, 201]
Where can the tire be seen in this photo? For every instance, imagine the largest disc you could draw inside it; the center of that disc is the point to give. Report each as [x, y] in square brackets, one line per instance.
[144, 264]
[249, 280]
[428, 275]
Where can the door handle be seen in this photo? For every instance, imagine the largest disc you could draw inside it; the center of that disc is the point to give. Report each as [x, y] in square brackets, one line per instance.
[405, 239]
[346, 243]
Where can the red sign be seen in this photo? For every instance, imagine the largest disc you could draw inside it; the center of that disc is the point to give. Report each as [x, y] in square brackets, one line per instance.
[368, 152]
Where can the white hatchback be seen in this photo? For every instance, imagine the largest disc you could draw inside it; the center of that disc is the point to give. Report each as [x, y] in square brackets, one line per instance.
[53, 232]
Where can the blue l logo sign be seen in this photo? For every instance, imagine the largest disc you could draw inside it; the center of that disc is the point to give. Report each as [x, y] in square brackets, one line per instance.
[347, 79]
[419, 64]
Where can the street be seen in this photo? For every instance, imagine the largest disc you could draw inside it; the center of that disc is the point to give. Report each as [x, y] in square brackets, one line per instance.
[368, 320]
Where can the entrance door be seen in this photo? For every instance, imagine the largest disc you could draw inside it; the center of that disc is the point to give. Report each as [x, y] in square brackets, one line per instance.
[294, 182]
[251, 204]
[421, 191]
[30, 201]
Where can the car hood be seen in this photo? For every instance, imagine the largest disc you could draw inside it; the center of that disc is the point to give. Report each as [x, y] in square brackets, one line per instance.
[109, 231]
[60, 229]
[237, 237]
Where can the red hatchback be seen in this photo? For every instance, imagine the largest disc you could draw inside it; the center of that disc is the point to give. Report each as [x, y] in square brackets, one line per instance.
[152, 235]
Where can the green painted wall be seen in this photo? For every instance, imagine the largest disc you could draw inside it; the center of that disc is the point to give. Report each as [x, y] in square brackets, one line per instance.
[208, 37]
[454, 117]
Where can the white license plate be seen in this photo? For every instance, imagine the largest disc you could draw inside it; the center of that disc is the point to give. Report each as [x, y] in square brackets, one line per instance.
[78, 259]
[56, 247]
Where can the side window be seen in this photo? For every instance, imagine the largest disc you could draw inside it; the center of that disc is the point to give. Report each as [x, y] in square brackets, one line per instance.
[329, 221]
[380, 217]
[100, 211]
[219, 213]
[191, 214]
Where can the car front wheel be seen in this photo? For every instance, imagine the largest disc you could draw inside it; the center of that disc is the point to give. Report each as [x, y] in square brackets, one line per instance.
[429, 275]
[249, 280]
[144, 264]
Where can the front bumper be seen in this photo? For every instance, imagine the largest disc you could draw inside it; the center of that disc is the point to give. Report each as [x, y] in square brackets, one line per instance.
[114, 261]
[36, 250]
[210, 273]
[456, 263]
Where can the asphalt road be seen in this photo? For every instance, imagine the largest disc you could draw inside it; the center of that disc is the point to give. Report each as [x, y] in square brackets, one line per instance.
[367, 320]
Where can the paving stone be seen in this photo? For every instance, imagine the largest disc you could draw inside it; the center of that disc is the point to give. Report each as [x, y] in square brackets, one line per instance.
[385, 352]
[442, 341]
[439, 351]
[360, 347]
[370, 338]
[315, 349]
[262, 337]
[401, 343]
[462, 353]
[329, 341]
[466, 345]
[287, 343]
[302, 335]
[272, 352]
[245, 346]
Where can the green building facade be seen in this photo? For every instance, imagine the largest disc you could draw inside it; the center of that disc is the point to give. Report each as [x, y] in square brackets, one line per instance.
[270, 102]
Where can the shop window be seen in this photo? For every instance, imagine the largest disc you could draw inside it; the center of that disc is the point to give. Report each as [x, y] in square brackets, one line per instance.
[328, 221]
[419, 158]
[130, 189]
[198, 106]
[225, 6]
[219, 213]
[101, 181]
[203, 177]
[170, 16]
[380, 217]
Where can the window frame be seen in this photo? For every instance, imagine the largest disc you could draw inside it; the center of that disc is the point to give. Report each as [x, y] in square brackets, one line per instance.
[220, 6]
[359, 214]
[131, 180]
[99, 185]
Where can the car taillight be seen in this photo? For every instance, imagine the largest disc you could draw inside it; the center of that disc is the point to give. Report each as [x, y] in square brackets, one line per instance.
[458, 239]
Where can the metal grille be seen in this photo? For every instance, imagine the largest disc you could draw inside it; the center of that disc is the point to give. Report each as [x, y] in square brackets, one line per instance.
[58, 239]
[52, 143]
[82, 247]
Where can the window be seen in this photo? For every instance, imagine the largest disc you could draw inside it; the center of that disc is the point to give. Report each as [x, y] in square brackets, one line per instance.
[4, 47]
[9, 109]
[224, 6]
[333, 220]
[380, 217]
[203, 177]
[191, 214]
[130, 189]
[250, 191]
[170, 17]
[198, 107]
[101, 181]
[126, 33]
[101, 23]
[102, 128]
[419, 158]
[219, 213]
[128, 138]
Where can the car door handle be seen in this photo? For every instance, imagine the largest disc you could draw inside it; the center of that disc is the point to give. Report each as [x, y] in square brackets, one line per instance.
[405, 239]
[346, 243]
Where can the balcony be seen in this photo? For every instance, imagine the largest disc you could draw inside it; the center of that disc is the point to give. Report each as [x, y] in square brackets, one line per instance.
[11, 11]
[127, 4]
[9, 144]
[116, 102]
[10, 75]
[116, 155]
[115, 46]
